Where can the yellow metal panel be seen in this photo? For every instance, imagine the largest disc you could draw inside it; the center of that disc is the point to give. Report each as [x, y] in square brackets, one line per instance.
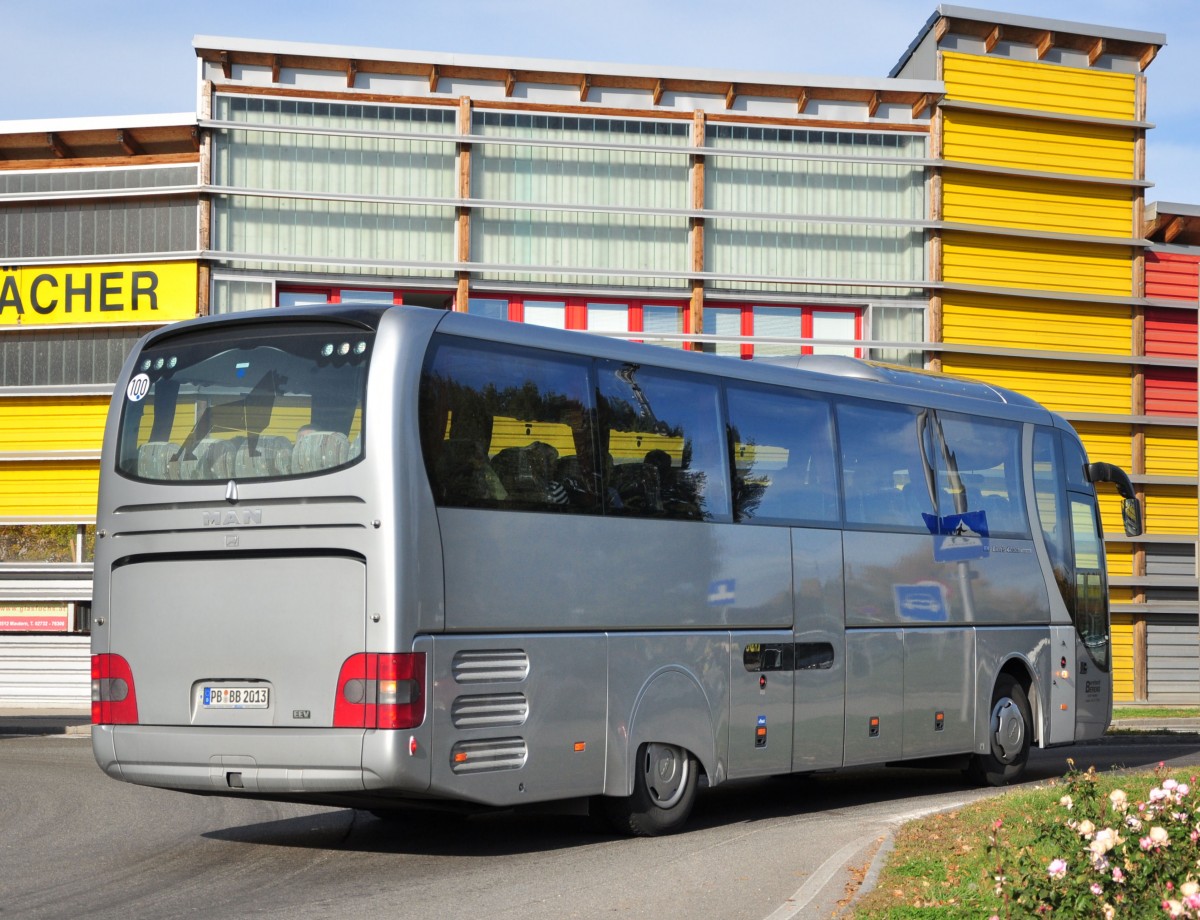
[1010, 322]
[52, 423]
[1122, 651]
[1107, 443]
[1120, 558]
[1171, 452]
[58, 488]
[1121, 595]
[1038, 86]
[1171, 509]
[1057, 385]
[1042, 265]
[988, 139]
[1037, 204]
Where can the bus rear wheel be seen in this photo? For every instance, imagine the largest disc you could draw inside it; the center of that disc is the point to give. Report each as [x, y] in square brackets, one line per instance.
[664, 790]
[1010, 726]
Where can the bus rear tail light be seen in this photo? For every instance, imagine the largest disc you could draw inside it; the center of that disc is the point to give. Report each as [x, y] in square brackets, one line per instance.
[381, 691]
[114, 701]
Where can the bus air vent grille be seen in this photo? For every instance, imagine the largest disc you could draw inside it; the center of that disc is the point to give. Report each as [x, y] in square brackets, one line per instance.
[494, 710]
[488, 756]
[487, 665]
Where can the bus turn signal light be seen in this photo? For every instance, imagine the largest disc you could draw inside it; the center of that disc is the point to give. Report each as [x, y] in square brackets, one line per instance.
[381, 691]
[114, 701]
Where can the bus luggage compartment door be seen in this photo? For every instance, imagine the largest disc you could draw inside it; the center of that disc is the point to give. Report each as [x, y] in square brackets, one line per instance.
[760, 703]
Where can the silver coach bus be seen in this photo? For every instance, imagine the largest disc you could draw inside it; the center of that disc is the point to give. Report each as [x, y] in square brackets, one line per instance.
[395, 559]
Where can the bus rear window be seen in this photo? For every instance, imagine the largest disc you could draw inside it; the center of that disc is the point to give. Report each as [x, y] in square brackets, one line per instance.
[253, 402]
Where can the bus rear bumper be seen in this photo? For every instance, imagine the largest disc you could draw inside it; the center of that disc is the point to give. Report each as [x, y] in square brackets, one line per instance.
[291, 764]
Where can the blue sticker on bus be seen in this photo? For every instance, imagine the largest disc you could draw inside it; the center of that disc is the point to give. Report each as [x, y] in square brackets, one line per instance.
[721, 593]
[959, 537]
[924, 602]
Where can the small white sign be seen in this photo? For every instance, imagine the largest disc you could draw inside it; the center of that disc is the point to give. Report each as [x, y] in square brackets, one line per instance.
[138, 387]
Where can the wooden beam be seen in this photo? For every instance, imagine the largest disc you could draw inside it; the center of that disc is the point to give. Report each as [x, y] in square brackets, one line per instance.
[195, 137]
[129, 144]
[802, 100]
[1098, 48]
[276, 66]
[659, 86]
[351, 73]
[510, 83]
[993, 38]
[730, 95]
[433, 78]
[584, 85]
[1174, 227]
[924, 102]
[940, 30]
[56, 144]
[1147, 56]
[873, 104]
[1045, 41]
[226, 65]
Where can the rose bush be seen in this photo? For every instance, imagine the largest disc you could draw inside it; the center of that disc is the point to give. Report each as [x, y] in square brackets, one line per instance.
[1111, 856]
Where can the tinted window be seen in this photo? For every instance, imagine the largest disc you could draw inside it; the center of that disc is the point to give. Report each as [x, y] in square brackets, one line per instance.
[980, 470]
[250, 402]
[508, 428]
[783, 464]
[884, 470]
[662, 444]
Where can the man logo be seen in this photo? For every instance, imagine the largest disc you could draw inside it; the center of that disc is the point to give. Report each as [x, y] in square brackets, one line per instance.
[233, 518]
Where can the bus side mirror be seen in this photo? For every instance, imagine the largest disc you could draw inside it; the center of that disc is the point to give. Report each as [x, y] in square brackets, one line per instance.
[1131, 509]
[1131, 516]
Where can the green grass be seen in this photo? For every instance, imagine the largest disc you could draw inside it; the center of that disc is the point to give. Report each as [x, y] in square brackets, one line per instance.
[1156, 712]
[940, 866]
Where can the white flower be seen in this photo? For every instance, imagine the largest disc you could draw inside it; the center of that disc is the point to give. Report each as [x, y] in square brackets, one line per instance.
[1086, 828]
[1067, 802]
[1119, 800]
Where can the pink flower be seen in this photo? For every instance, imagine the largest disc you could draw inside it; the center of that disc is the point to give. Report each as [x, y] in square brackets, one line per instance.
[1118, 875]
[1057, 868]
[1096, 889]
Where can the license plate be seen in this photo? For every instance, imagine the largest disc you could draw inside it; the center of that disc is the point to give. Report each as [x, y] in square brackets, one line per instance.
[236, 698]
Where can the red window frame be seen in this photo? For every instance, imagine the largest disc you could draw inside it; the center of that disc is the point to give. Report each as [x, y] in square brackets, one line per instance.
[806, 322]
[576, 309]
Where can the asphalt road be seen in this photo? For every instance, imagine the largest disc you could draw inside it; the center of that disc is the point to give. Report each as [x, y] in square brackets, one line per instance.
[74, 843]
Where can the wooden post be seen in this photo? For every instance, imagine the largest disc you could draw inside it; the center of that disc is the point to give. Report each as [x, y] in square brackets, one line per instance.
[696, 303]
[462, 294]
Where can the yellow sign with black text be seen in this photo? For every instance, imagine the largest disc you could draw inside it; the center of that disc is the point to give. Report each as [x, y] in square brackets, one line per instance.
[58, 295]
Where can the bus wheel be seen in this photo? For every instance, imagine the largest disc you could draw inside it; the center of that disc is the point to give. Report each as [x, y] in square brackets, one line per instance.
[664, 790]
[1009, 729]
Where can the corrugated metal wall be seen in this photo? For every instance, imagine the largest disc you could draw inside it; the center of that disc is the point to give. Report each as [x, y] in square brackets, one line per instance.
[35, 491]
[1122, 650]
[1173, 653]
[1061, 387]
[45, 671]
[49, 423]
[1030, 323]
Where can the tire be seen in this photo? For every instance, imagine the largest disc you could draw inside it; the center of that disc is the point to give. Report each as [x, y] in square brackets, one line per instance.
[664, 791]
[1010, 728]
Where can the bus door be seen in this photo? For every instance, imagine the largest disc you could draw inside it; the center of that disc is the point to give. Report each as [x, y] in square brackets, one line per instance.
[1093, 677]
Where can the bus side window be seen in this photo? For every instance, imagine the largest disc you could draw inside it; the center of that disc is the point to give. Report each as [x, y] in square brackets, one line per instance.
[663, 444]
[1047, 485]
[884, 466]
[505, 427]
[782, 447]
[980, 470]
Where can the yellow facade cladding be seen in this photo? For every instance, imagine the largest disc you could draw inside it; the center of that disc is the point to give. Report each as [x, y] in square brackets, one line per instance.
[1172, 509]
[55, 489]
[1107, 443]
[1037, 204]
[1037, 265]
[1060, 386]
[1010, 141]
[44, 424]
[1027, 323]
[1039, 87]
[1171, 452]
[1119, 557]
[1122, 651]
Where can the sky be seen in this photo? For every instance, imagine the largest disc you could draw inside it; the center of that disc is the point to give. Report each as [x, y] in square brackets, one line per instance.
[78, 58]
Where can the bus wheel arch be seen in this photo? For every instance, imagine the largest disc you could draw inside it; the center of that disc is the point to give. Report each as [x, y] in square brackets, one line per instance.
[1010, 729]
[670, 740]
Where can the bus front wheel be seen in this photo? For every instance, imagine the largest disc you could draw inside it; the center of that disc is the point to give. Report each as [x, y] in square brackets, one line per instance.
[664, 790]
[1010, 726]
